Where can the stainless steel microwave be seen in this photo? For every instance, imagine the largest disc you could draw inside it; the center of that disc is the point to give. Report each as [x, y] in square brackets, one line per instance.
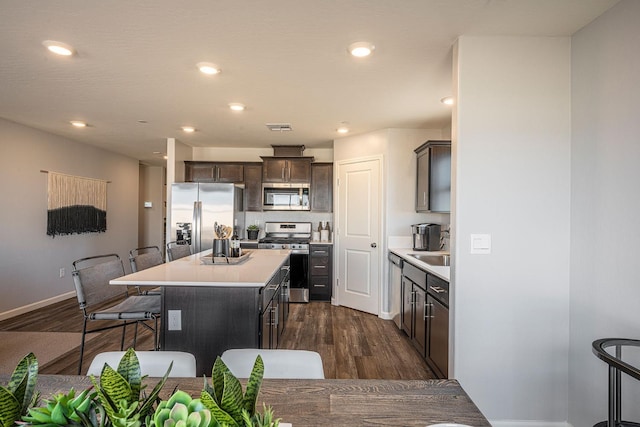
[285, 197]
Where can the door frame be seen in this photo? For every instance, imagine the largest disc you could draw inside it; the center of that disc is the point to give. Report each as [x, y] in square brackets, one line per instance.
[382, 244]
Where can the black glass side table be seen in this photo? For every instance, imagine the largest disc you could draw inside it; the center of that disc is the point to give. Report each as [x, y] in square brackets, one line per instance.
[616, 367]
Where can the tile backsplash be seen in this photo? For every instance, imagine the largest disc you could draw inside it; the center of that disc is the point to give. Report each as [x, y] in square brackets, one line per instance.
[293, 216]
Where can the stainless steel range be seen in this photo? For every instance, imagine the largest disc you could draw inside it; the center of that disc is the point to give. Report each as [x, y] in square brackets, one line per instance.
[294, 236]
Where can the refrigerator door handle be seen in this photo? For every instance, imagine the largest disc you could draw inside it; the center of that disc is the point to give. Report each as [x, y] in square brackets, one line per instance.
[197, 214]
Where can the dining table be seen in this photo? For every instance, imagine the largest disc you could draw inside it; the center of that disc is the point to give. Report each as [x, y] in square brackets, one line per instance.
[329, 402]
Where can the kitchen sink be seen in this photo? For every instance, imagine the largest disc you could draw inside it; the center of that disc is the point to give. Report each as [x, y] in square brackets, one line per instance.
[437, 260]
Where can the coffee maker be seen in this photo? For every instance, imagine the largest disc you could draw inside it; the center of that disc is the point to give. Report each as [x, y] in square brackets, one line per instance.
[426, 237]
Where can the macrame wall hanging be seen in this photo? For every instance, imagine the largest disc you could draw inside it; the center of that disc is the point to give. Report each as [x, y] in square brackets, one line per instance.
[75, 205]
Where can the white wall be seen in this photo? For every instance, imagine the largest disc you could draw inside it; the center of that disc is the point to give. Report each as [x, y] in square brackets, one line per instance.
[30, 260]
[234, 154]
[512, 130]
[399, 174]
[151, 219]
[605, 229]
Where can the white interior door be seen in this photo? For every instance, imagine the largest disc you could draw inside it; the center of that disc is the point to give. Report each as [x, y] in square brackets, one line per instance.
[358, 251]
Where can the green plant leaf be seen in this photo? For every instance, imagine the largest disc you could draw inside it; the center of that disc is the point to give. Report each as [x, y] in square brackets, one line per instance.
[217, 378]
[23, 381]
[9, 408]
[253, 386]
[218, 414]
[146, 408]
[115, 385]
[129, 368]
[232, 399]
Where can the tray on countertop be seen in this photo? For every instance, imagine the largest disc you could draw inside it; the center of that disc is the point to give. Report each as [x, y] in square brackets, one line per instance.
[221, 260]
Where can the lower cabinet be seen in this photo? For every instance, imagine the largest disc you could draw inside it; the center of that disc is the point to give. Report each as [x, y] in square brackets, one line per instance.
[320, 273]
[425, 316]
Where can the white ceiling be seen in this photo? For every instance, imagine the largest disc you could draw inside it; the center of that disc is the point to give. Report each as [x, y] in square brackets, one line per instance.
[285, 59]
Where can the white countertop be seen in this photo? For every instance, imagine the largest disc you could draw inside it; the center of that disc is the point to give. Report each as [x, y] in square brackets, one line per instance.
[190, 271]
[440, 271]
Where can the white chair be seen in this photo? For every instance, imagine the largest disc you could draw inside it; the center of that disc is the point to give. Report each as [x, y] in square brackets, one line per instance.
[289, 364]
[152, 363]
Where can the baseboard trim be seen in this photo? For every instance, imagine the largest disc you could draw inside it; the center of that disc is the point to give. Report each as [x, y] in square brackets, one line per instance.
[36, 305]
[386, 315]
[516, 423]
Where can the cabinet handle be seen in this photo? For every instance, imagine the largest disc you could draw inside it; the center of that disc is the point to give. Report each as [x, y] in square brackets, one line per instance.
[275, 316]
[424, 198]
[319, 266]
[428, 307]
[320, 252]
[437, 289]
[217, 173]
[413, 297]
[319, 286]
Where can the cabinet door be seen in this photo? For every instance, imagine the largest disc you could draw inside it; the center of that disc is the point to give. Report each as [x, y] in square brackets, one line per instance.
[274, 170]
[319, 288]
[199, 172]
[422, 183]
[275, 322]
[407, 306]
[322, 187]
[253, 187]
[438, 348]
[299, 170]
[420, 321]
[440, 179]
[226, 172]
[266, 328]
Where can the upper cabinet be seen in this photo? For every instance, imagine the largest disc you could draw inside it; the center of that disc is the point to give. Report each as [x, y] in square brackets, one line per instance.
[322, 187]
[253, 187]
[433, 185]
[286, 169]
[213, 172]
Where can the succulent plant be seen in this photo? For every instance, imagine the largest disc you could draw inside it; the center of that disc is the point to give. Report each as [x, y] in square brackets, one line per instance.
[19, 394]
[229, 406]
[67, 410]
[119, 392]
[181, 411]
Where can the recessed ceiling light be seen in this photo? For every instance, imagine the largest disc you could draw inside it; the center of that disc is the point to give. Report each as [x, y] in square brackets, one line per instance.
[361, 49]
[188, 129]
[343, 128]
[78, 123]
[208, 68]
[448, 100]
[59, 48]
[236, 106]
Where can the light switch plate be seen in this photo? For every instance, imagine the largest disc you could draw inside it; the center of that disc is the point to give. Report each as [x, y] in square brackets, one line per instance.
[148, 204]
[481, 244]
[175, 320]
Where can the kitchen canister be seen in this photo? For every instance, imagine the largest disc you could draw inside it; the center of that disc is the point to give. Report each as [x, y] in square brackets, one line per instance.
[324, 235]
[316, 236]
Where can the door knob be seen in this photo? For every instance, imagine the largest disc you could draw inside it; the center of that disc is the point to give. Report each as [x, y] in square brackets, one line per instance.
[373, 245]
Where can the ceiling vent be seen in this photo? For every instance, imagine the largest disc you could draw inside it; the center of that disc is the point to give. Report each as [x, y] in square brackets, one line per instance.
[281, 127]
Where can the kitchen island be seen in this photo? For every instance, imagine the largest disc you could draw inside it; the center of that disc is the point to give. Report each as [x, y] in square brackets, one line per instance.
[209, 308]
[330, 402]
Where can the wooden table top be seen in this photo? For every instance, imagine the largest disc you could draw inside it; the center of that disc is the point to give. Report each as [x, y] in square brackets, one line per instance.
[331, 402]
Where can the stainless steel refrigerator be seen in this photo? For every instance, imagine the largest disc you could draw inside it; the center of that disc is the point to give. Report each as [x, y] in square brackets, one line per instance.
[196, 207]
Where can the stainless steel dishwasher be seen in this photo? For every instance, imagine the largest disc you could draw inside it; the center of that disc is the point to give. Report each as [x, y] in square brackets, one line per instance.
[395, 288]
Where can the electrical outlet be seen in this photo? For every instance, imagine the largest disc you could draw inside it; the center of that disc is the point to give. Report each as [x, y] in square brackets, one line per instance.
[62, 272]
[175, 320]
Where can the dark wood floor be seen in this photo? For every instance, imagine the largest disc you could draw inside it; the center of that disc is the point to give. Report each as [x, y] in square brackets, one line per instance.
[352, 344]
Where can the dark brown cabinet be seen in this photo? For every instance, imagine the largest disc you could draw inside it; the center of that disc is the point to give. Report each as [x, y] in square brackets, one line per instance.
[286, 169]
[433, 181]
[425, 316]
[213, 172]
[322, 187]
[253, 187]
[320, 273]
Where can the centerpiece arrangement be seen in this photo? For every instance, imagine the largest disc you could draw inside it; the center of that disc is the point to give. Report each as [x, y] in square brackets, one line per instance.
[118, 399]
